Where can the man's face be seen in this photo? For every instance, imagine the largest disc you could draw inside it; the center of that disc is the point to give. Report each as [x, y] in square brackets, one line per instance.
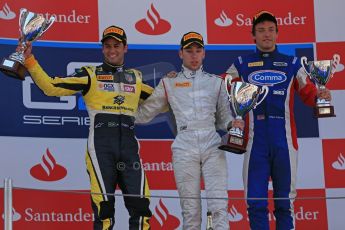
[114, 51]
[265, 36]
[192, 56]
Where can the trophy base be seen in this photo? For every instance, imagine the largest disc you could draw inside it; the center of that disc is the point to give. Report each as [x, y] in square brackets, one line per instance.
[13, 69]
[235, 145]
[324, 111]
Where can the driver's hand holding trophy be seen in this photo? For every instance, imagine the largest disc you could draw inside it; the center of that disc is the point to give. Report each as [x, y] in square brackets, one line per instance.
[243, 97]
[321, 72]
[31, 27]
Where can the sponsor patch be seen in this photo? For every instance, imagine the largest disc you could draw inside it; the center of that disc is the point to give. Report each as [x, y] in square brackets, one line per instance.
[128, 88]
[267, 77]
[281, 64]
[105, 77]
[280, 92]
[257, 63]
[110, 87]
[129, 78]
[183, 84]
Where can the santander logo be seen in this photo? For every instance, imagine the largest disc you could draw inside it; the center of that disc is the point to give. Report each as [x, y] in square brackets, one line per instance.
[223, 20]
[15, 215]
[153, 24]
[6, 13]
[234, 215]
[48, 169]
[340, 163]
[162, 219]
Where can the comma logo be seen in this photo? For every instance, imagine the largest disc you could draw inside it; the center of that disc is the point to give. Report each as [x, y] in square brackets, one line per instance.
[153, 24]
[339, 164]
[162, 219]
[223, 20]
[234, 215]
[15, 215]
[6, 13]
[48, 169]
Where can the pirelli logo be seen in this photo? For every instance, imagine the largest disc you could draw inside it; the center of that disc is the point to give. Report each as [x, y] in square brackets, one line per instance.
[105, 77]
[192, 35]
[113, 30]
[258, 63]
[183, 84]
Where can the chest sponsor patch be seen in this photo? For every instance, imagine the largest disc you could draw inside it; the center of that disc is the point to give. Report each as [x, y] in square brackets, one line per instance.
[280, 92]
[257, 63]
[186, 84]
[281, 64]
[128, 88]
[110, 87]
[105, 77]
[267, 77]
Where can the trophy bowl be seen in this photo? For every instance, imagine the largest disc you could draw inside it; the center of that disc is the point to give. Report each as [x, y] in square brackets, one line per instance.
[31, 27]
[243, 97]
[321, 72]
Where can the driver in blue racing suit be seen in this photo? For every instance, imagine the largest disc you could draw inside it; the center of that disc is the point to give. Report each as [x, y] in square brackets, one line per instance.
[272, 139]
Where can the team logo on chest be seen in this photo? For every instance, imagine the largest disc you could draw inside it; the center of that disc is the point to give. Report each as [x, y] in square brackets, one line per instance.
[129, 78]
[119, 99]
[267, 77]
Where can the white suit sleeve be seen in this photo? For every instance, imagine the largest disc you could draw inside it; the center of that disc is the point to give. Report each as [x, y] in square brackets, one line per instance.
[153, 105]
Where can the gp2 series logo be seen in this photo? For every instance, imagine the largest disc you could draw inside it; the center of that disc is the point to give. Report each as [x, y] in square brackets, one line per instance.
[267, 77]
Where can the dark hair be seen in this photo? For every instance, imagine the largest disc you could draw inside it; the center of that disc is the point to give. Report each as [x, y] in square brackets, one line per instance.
[263, 16]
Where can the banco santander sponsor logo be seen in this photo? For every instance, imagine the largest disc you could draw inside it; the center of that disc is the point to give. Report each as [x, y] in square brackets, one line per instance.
[267, 77]
[153, 24]
[162, 219]
[230, 21]
[339, 164]
[15, 215]
[75, 21]
[6, 13]
[334, 162]
[223, 20]
[48, 169]
[234, 215]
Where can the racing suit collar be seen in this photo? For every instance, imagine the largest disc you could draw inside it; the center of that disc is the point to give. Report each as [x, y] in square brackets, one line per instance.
[190, 73]
[266, 54]
[112, 68]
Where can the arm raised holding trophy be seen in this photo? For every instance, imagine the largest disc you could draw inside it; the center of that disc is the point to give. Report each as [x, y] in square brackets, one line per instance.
[272, 147]
[321, 72]
[111, 108]
[31, 27]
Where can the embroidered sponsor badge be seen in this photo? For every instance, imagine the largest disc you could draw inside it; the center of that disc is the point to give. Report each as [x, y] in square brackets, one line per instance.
[257, 63]
[281, 64]
[128, 88]
[105, 77]
[267, 77]
[129, 78]
[183, 84]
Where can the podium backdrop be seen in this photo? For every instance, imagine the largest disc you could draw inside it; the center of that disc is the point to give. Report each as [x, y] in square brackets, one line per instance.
[43, 139]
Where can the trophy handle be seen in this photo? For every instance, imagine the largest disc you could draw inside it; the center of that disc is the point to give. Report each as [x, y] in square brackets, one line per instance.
[49, 23]
[228, 80]
[21, 18]
[336, 61]
[264, 89]
[303, 63]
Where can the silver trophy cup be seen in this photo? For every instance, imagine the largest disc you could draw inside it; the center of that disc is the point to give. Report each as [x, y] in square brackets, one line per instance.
[243, 97]
[321, 72]
[31, 27]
